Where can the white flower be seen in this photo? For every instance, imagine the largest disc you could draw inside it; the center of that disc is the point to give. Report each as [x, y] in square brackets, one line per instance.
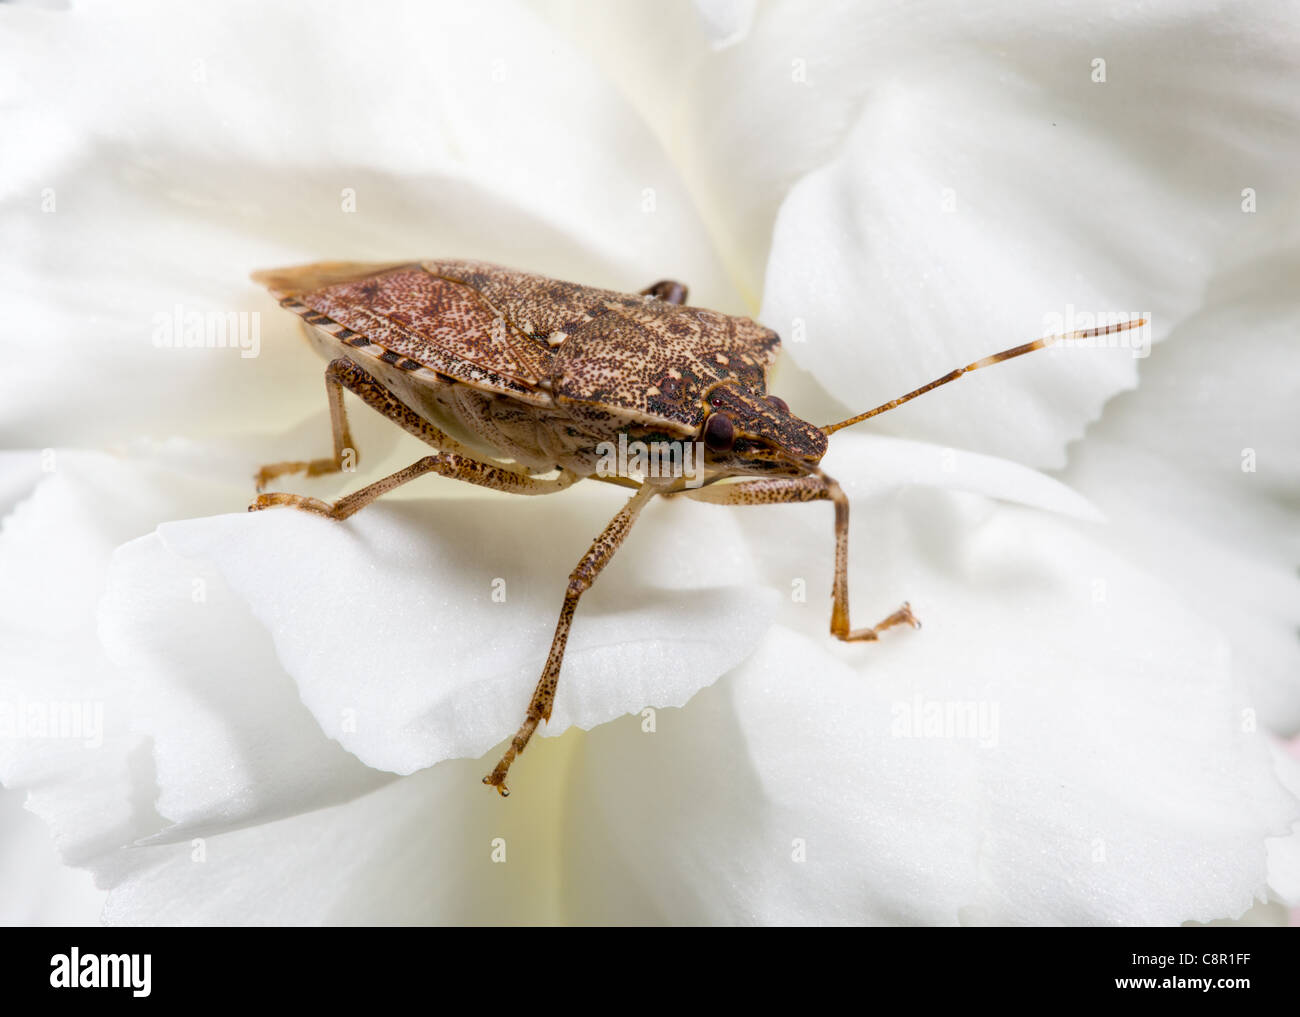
[296, 714]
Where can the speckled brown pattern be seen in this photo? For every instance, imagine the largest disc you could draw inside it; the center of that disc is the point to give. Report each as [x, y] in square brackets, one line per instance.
[509, 331]
[485, 344]
[645, 356]
[437, 324]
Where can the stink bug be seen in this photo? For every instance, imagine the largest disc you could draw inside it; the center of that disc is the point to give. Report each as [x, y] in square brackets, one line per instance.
[519, 381]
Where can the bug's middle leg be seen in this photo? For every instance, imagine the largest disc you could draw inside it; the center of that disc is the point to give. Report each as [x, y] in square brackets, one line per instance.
[580, 580]
[818, 487]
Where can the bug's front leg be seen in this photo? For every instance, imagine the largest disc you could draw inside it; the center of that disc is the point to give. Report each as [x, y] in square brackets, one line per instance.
[580, 580]
[818, 487]
[840, 590]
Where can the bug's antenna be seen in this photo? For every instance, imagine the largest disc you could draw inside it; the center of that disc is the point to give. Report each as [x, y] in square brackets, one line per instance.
[1037, 344]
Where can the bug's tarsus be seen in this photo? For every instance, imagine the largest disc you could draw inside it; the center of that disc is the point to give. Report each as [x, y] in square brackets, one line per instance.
[995, 358]
[903, 616]
[497, 778]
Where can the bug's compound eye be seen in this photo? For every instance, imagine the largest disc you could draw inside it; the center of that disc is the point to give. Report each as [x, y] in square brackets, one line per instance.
[779, 403]
[719, 432]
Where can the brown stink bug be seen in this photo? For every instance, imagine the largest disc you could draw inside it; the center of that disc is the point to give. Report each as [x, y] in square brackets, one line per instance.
[520, 382]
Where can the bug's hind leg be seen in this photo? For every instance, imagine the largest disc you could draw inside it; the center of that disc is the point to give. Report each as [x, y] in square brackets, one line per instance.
[670, 291]
[344, 374]
[446, 464]
[580, 580]
[343, 445]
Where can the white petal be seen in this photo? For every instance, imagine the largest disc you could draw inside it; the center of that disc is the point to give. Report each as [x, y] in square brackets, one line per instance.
[879, 291]
[183, 720]
[1219, 401]
[871, 464]
[1284, 852]
[1200, 466]
[232, 743]
[1206, 542]
[645, 50]
[390, 627]
[726, 22]
[1065, 194]
[417, 851]
[1112, 780]
[19, 473]
[89, 777]
[767, 111]
[38, 888]
[217, 150]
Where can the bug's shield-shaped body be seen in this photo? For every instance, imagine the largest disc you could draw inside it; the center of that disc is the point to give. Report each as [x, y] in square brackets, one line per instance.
[521, 367]
[512, 376]
[487, 365]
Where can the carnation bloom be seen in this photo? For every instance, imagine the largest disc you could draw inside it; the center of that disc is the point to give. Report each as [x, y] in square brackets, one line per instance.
[285, 720]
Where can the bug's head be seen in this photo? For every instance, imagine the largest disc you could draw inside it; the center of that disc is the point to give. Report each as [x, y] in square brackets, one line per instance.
[749, 433]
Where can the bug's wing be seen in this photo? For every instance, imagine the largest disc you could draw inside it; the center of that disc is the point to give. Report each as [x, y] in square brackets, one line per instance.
[548, 309]
[409, 312]
[623, 352]
[553, 310]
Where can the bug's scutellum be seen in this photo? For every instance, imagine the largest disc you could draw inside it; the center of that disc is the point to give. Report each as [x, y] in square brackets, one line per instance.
[516, 380]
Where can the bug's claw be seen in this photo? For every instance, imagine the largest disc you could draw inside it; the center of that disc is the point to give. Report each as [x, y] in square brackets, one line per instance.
[492, 780]
[903, 616]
